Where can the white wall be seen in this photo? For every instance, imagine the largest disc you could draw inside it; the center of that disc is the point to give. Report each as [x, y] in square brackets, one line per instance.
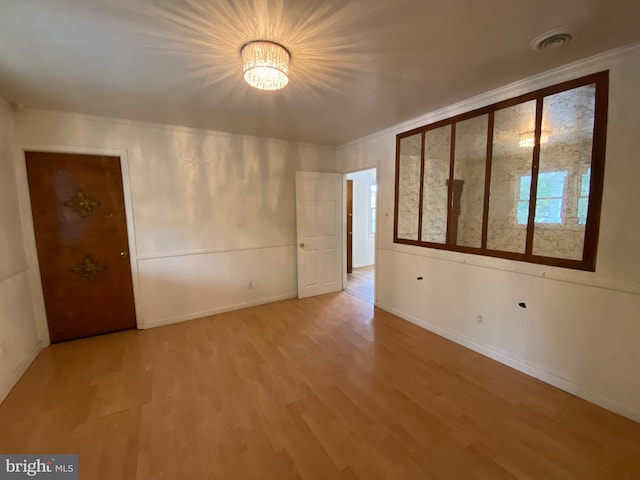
[363, 243]
[580, 330]
[211, 212]
[19, 342]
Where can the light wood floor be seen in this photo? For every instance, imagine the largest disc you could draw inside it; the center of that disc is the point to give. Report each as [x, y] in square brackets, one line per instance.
[321, 388]
[360, 283]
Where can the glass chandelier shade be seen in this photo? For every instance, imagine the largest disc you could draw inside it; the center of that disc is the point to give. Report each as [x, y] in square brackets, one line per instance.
[528, 140]
[266, 64]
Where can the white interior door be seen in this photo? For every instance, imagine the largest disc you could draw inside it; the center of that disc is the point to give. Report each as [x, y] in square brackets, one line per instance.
[319, 226]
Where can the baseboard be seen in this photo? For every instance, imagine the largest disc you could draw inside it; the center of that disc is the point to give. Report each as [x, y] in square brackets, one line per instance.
[11, 382]
[363, 265]
[215, 311]
[523, 367]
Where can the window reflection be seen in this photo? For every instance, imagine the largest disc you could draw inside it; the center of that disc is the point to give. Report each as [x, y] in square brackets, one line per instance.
[583, 199]
[549, 198]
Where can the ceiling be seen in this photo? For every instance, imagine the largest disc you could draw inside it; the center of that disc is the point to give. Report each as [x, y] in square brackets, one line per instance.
[357, 66]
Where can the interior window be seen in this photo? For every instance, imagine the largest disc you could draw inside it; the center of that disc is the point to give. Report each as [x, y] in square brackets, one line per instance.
[521, 179]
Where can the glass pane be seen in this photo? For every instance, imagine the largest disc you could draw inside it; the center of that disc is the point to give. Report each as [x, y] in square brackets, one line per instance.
[565, 157]
[583, 203]
[437, 154]
[525, 188]
[523, 211]
[409, 187]
[584, 183]
[549, 198]
[511, 177]
[551, 184]
[468, 188]
[549, 210]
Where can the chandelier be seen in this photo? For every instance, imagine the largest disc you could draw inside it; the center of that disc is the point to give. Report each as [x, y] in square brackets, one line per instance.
[266, 64]
[528, 140]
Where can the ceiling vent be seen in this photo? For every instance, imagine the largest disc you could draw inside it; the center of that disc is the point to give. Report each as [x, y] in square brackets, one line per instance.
[551, 39]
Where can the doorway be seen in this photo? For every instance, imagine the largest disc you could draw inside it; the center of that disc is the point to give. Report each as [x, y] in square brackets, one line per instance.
[361, 201]
[79, 220]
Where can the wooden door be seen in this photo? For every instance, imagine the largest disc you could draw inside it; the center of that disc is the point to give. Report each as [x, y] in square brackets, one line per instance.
[349, 226]
[319, 203]
[81, 237]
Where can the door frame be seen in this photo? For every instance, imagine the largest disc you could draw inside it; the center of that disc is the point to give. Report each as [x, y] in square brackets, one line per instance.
[35, 280]
[375, 237]
[349, 231]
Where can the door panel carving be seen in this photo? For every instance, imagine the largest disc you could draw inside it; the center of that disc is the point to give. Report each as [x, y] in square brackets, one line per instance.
[82, 203]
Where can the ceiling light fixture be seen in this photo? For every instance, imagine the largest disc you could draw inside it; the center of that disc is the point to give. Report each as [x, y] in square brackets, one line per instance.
[528, 139]
[266, 64]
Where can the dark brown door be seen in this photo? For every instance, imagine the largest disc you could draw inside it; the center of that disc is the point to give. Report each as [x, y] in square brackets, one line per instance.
[81, 237]
[349, 226]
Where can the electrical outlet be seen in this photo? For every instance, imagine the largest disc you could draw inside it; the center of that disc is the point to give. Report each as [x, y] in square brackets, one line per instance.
[3, 348]
[250, 284]
[480, 319]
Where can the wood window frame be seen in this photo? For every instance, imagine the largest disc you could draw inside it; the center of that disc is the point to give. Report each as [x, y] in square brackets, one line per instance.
[592, 227]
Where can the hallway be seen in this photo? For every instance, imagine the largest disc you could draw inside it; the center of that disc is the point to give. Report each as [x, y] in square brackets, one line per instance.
[360, 283]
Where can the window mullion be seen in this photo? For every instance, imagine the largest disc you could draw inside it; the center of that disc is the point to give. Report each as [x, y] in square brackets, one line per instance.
[535, 166]
[487, 181]
[420, 200]
[450, 184]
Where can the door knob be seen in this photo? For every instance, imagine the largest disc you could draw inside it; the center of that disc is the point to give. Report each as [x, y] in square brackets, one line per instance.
[301, 245]
[124, 254]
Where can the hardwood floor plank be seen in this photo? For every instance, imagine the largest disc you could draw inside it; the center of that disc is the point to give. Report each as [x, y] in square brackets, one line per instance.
[325, 387]
[360, 283]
